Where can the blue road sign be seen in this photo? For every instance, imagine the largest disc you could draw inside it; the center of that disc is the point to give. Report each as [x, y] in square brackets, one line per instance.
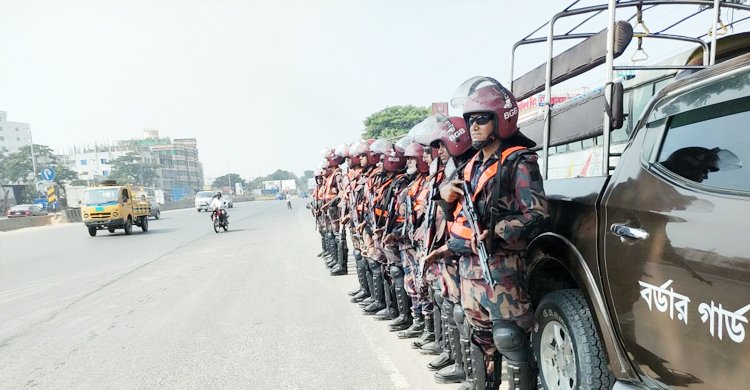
[47, 174]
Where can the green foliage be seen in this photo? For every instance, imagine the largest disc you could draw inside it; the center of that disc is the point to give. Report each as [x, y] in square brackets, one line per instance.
[308, 174]
[17, 167]
[130, 169]
[394, 121]
[281, 174]
[223, 181]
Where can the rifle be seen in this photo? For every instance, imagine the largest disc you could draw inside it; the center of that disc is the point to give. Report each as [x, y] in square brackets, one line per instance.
[431, 215]
[407, 220]
[389, 211]
[470, 214]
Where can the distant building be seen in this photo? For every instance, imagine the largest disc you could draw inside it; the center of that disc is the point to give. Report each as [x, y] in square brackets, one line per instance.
[13, 135]
[176, 162]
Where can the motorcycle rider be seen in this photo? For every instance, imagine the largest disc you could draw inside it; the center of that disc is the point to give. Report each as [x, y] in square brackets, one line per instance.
[218, 204]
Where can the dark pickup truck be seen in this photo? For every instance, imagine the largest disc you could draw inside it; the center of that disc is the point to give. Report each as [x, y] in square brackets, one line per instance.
[644, 279]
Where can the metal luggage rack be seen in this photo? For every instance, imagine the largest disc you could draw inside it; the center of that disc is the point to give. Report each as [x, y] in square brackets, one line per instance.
[602, 47]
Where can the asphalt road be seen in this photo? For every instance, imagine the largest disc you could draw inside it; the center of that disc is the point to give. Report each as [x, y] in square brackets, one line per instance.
[182, 307]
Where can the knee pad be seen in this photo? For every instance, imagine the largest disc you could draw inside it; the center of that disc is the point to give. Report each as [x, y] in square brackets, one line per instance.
[397, 273]
[330, 235]
[357, 254]
[438, 301]
[448, 312]
[458, 315]
[508, 336]
[374, 267]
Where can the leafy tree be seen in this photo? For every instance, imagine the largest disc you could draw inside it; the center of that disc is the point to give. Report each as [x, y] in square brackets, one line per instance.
[222, 181]
[130, 169]
[394, 121]
[17, 167]
[281, 174]
[308, 174]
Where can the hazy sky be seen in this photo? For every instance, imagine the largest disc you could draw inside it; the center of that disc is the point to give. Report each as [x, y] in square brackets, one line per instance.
[261, 84]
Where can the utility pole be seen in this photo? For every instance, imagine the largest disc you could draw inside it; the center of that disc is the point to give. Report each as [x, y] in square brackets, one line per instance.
[229, 177]
[33, 163]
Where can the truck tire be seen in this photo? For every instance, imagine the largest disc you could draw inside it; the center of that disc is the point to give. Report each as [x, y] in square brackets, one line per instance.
[111, 229]
[158, 213]
[129, 226]
[92, 231]
[567, 345]
[144, 223]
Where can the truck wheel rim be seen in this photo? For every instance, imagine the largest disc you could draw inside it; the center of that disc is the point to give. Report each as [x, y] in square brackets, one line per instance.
[558, 362]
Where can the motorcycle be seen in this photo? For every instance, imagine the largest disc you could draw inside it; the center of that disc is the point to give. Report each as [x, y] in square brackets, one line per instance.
[220, 220]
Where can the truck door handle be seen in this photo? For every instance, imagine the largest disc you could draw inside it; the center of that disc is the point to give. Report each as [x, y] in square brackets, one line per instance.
[629, 232]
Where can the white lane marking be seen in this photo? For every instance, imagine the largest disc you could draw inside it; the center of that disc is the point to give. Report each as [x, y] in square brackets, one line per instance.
[399, 382]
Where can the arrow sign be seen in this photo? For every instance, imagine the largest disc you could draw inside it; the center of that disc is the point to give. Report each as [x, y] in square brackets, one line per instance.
[47, 174]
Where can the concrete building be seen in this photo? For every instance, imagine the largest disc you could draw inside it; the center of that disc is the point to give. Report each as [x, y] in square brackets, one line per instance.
[13, 135]
[178, 169]
[179, 164]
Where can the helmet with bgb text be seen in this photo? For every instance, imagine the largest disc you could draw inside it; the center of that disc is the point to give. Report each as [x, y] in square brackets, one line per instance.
[485, 95]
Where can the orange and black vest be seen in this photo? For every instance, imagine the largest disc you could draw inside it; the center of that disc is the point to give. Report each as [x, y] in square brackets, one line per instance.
[460, 228]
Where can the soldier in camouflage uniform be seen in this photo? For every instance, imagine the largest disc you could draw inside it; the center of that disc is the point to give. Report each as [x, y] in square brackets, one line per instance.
[359, 198]
[378, 180]
[454, 149]
[330, 207]
[507, 189]
[394, 164]
[403, 270]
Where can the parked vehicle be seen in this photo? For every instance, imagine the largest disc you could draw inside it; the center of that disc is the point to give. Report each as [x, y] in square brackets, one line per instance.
[280, 196]
[203, 199]
[644, 279]
[26, 210]
[111, 206]
[229, 200]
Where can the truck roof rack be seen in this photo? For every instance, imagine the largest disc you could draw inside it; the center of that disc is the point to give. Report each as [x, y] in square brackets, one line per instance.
[601, 48]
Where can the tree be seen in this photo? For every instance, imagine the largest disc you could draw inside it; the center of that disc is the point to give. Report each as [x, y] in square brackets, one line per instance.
[281, 174]
[393, 121]
[223, 181]
[17, 167]
[130, 169]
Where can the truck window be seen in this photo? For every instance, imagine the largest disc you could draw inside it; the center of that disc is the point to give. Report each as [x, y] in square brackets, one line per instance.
[125, 195]
[709, 145]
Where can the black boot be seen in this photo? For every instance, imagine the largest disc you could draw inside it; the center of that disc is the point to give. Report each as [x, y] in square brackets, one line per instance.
[521, 375]
[428, 333]
[342, 267]
[403, 321]
[360, 274]
[387, 314]
[390, 295]
[416, 328]
[365, 295]
[458, 337]
[322, 245]
[434, 333]
[442, 361]
[378, 295]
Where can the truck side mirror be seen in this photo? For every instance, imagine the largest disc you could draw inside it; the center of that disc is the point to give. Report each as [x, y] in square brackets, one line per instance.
[616, 114]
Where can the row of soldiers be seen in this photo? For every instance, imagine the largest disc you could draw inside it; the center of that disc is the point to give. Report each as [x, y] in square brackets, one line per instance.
[438, 223]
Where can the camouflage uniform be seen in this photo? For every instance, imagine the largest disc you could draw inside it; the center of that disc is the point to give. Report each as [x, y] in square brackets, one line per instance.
[500, 317]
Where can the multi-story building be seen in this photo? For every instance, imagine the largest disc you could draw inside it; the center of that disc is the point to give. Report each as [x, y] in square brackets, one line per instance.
[179, 164]
[13, 135]
[178, 169]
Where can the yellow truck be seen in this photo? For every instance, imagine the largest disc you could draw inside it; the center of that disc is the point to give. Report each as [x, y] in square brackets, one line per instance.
[111, 206]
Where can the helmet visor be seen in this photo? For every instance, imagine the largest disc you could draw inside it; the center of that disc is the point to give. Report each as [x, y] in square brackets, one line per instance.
[428, 130]
[470, 91]
[381, 146]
